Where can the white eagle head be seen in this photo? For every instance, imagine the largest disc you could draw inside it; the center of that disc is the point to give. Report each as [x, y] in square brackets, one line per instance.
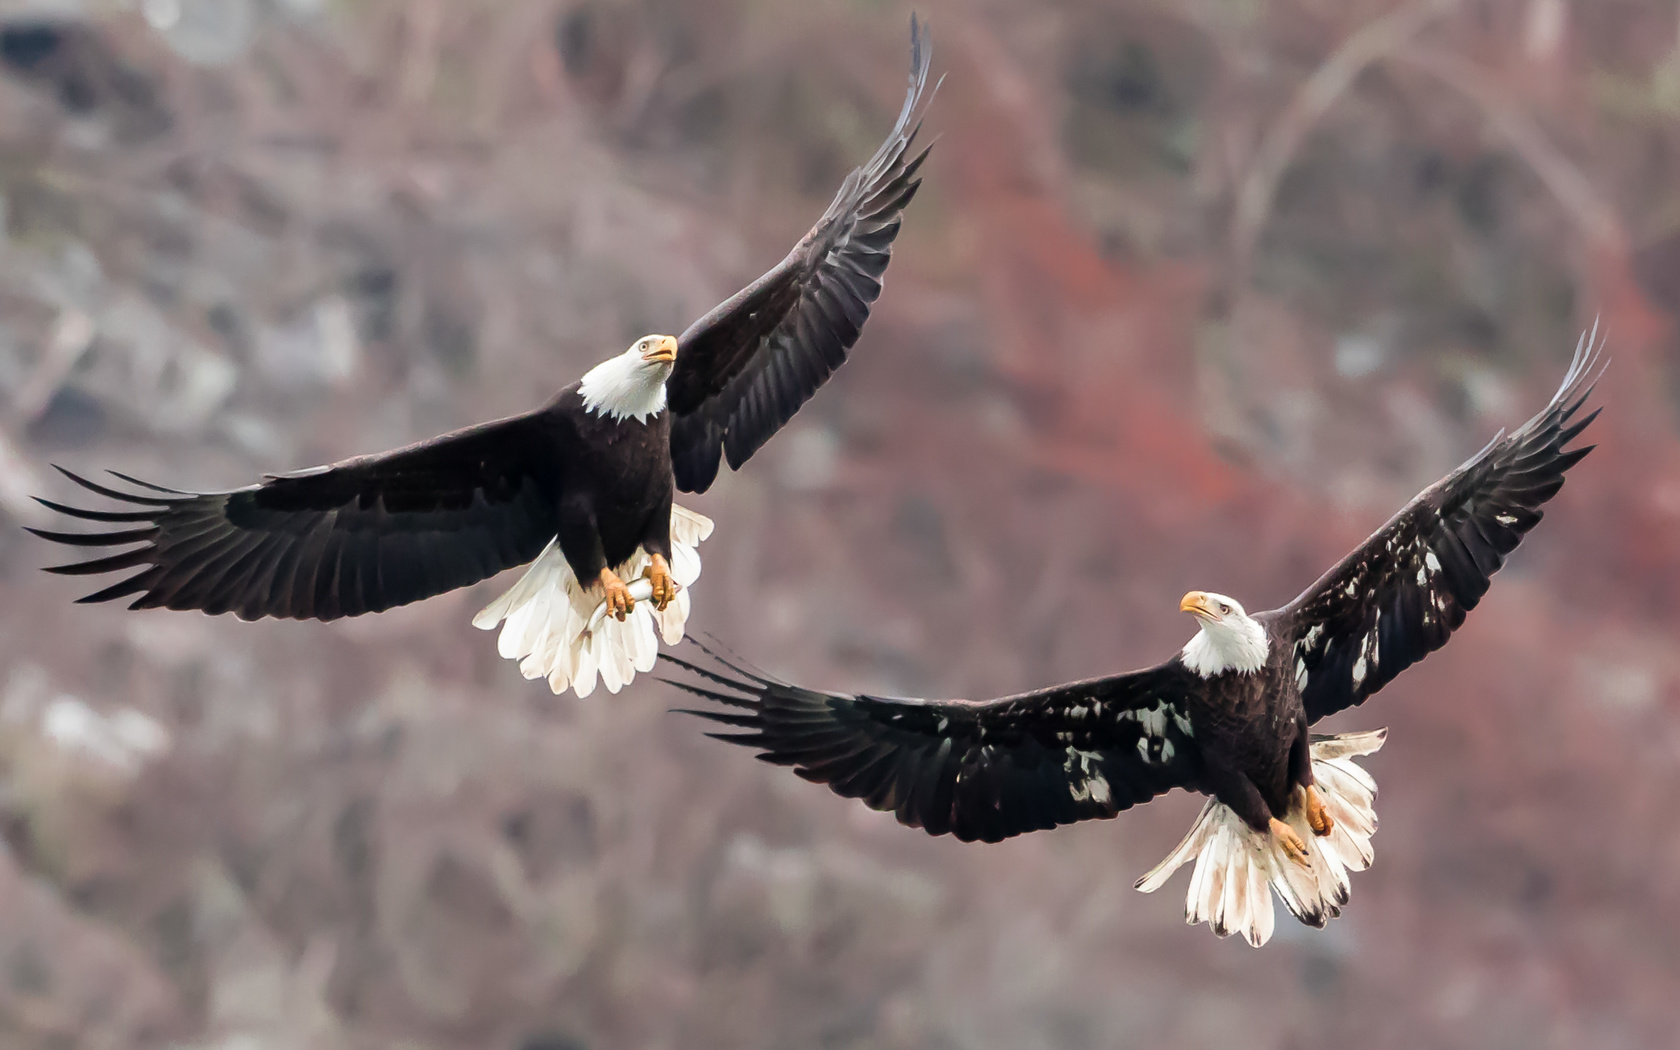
[1229, 639]
[631, 385]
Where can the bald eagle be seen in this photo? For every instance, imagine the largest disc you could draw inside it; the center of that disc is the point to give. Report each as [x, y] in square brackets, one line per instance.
[583, 485]
[1228, 716]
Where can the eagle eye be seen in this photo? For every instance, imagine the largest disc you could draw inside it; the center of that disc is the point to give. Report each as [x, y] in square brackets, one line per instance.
[1224, 610]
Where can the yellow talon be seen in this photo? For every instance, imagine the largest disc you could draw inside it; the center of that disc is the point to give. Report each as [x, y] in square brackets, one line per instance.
[619, 602]
[664, 587]
[1318, 817]
[1290, 842]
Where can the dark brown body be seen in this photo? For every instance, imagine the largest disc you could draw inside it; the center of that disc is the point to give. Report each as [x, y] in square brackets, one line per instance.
[616, 485]
[1252, 731]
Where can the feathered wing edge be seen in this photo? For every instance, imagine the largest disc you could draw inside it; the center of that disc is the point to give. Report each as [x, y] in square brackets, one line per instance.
[558, 629]
[1237, 868]
[1587, 366]
[344, 539]
[748, 366]
[891, 152]
[1401, 594]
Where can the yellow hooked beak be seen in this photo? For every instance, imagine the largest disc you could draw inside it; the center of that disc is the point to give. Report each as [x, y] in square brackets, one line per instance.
[664, 349]
[1199, 604]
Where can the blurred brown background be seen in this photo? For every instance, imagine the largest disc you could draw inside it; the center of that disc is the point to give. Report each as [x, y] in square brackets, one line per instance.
[1195, 296]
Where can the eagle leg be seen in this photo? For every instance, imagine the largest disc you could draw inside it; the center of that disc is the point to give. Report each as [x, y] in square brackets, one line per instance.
[1290, 842]
[1318, 816]
[664, 587]
[619, 602]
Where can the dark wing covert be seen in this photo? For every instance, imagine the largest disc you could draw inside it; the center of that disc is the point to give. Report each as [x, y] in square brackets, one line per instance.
[977, 770]
[354, 537]
[745, 368]
[1400, 595]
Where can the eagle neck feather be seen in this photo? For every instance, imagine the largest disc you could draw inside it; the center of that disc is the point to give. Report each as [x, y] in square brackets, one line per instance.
[625, 387]
[1239, 647]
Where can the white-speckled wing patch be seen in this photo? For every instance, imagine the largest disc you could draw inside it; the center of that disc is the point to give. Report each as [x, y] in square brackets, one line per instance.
[1402, 593]
[979, 770]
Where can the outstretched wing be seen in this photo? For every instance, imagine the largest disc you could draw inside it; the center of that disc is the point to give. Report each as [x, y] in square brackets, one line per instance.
[1400, 595]
[978, 770]
[355, 537]
[744, 369]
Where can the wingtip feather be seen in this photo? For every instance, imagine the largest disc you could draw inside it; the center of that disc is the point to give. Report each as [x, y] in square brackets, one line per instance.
[93, 486]
[146, 484]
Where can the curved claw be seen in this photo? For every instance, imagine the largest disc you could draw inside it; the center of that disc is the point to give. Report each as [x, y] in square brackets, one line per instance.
[658, 573]
[1318, 817]
[1290, 842]
[619, 601]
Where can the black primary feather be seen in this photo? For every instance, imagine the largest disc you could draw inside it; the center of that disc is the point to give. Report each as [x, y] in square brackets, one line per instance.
[745, 368]
[355, 537]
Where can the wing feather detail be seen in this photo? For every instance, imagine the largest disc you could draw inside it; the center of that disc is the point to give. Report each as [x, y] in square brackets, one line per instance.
[745, 368]
[1401, 594]
[977, 770]
[355, 537]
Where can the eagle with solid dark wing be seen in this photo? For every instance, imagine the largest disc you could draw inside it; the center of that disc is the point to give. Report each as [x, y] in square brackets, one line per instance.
[583, 485]
[1228, 716]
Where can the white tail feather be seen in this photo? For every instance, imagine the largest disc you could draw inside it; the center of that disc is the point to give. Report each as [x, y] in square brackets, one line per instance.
[559, 630]
[1235, 864]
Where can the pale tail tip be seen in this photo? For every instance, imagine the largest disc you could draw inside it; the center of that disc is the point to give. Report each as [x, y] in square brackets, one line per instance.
[1226, 853]
[558, 630]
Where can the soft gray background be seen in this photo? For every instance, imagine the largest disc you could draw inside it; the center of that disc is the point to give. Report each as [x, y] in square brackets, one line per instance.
[1195, 296]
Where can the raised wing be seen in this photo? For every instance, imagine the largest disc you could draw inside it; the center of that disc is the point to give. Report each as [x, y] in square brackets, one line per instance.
[744, 369]
[355, 537]
[978, 770]
[1401, 594]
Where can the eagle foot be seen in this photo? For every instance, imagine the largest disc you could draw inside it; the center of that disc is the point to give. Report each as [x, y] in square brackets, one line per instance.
[664, 587]
[1290, 842]
[619, 602]
[1318, 817]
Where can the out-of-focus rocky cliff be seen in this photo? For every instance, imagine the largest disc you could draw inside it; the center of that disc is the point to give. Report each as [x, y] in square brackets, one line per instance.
[1195, 296]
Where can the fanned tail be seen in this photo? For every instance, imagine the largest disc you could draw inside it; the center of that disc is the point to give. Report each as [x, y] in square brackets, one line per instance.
[1235, 864]
[559, 630]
